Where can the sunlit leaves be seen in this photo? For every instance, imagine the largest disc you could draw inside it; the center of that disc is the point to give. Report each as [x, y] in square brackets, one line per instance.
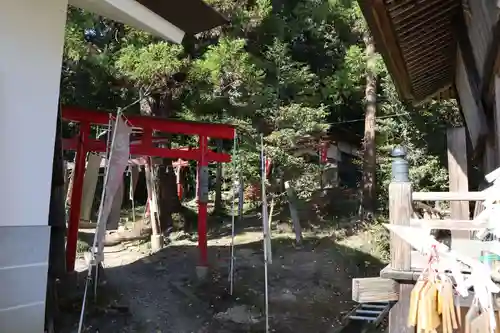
[152, 64]
[286, 72]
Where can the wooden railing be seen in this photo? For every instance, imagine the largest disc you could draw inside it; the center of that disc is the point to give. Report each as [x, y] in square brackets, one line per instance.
[401, 201]
[449, 196]
[449, 224]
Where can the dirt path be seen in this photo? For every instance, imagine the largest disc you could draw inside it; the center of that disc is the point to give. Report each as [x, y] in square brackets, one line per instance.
[310, 286]
[146, 290]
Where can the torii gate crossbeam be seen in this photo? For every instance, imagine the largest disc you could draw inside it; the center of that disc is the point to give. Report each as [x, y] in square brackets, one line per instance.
[146, 147]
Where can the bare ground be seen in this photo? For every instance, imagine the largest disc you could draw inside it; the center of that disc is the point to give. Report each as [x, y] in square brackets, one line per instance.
[309, 286]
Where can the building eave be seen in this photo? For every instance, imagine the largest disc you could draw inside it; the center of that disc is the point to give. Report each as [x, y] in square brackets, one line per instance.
[416, 39]
[170, 20]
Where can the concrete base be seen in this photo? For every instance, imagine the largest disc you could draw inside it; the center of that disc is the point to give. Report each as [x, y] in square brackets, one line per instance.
[156, 242]
[201, 272]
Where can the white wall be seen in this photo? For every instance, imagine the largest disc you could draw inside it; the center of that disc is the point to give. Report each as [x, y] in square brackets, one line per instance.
[32, 37]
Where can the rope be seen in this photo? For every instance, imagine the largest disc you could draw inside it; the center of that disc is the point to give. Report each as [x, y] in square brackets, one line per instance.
[233, 213]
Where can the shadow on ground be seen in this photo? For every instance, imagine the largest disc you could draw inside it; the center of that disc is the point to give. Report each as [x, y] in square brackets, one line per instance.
[309, 289]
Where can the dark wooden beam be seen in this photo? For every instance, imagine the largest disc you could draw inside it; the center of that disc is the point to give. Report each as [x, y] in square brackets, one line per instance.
[491, 67]
[386, 42]
[465, 46]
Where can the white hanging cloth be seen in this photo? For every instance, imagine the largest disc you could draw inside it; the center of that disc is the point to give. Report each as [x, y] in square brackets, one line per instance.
[491, 213]
[118, 160]
[480, 277]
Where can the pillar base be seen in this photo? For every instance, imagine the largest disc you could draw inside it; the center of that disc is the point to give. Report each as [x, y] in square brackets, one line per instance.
[202, 272]
[70, 281]
[156, 242]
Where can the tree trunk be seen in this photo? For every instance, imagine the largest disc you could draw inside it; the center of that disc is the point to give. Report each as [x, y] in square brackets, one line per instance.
[164, 175]
[169, 202]
[218, 182]
[369, 151]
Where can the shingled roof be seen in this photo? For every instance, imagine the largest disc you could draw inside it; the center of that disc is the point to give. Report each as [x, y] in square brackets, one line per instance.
[416, 40]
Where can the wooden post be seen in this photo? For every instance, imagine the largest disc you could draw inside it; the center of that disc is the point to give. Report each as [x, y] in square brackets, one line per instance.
[241, 197]
[178, 179]
[67, 175]
[400, 209]
[398, 316]
[89, 185]
[134, 174]
[156, 237]
[497, 120]
[69, 186]
[400, 213]
[294, 214]
[457, 170]
[116, 207]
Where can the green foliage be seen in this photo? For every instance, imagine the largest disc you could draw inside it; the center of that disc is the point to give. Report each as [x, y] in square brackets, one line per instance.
[152, 64]
[421, 130]
[227, 78]
[291, 73]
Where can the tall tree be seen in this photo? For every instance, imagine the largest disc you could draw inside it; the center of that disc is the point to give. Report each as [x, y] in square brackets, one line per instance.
[369, 145]
[283, 68]
[157, 70]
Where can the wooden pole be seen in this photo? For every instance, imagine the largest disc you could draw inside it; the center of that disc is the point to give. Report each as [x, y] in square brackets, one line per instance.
[178, 178]
[369, 145]
[400, 213]
[89, 185]
[458, 181]
[400, 209]
[156, 238]
[294, 214]
[241, 197]
[113, 221]
[497, 119]
[69, 186]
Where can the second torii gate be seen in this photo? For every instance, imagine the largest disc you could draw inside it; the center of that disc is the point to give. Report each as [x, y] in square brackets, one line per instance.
[82, 144]
[178, 165]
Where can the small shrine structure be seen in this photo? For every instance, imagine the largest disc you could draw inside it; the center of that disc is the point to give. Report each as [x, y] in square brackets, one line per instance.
[438, 49]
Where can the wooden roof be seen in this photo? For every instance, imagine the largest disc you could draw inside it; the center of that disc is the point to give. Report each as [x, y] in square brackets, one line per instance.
[416, 40]
[191, 16]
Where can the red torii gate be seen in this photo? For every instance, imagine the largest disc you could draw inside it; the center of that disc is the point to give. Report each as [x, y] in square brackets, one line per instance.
[83, 144]
[178, 165]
